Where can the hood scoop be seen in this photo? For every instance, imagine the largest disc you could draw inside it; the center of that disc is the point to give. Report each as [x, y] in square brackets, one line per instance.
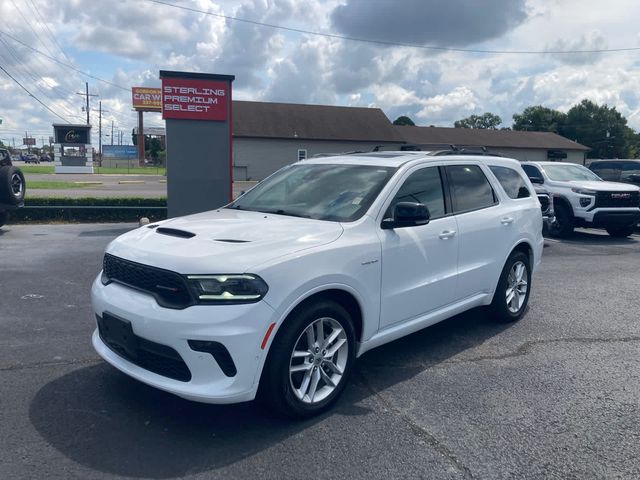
[230, 240]
[174, 232]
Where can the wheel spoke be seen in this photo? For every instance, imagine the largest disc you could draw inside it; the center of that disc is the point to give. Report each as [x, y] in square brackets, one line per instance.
[510, 294]
[311, 339]
[300, 368]
[333, 367]
[335, 347]
[301, 354]
[331, 338]
[304, 386]
[315, 378]
[326, 378]
[320, 332]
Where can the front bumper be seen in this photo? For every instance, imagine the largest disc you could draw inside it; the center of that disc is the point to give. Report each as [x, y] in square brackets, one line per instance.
[615, 217]
[240, 328]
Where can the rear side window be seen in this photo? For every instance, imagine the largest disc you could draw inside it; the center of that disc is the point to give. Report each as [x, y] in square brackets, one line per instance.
[423, 186]
[470, 189]
[631, 172]
[511, 181]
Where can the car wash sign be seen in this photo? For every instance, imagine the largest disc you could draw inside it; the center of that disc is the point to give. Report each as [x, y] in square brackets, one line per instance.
[194, 99]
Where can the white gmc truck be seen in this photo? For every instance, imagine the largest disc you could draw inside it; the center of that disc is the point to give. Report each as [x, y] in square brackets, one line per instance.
[582, 199]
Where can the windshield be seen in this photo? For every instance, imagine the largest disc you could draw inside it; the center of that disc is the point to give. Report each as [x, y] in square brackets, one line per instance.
[564, 172]
[340, 193]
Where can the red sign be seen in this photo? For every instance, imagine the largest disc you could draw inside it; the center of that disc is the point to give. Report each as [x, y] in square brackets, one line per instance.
[191, 99]
[146, 99]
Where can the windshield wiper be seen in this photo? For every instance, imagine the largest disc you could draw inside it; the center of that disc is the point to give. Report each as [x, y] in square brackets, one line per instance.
[284, 212]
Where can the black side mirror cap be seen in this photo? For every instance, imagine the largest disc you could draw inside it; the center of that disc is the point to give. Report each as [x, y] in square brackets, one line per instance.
[407, 214]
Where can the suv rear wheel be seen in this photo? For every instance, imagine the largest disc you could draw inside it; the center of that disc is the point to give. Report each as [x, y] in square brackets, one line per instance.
[512, 293]
[563, 225]
[310, 360]
[620, 232]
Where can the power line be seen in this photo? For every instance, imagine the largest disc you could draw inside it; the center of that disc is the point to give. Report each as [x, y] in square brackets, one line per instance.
[63, 63]
[389, 43]
[51, 35]
[33, 96]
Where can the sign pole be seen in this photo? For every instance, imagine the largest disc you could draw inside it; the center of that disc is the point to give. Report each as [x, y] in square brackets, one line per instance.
[140, 139]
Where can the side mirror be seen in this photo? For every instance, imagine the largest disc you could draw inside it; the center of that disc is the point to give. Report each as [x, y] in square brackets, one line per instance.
[538, 180]
[407, 214]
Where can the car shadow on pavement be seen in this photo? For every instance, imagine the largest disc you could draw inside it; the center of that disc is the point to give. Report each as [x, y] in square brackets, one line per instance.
[109, 422]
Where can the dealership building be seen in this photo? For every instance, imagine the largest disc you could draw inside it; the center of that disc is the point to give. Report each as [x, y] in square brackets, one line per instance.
[267, 136]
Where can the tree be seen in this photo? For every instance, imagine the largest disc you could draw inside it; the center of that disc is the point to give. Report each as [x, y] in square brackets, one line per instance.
[599, 127]
[487, 121]
[403, 120]
[539, 119]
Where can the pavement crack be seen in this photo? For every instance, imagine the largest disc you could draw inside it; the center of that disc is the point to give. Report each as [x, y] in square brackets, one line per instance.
[527, 347]
[419, 431]
[25, 366]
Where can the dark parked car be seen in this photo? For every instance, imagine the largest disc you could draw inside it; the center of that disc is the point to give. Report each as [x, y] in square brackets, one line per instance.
[625, 171]
[12, 186]
[45, 158]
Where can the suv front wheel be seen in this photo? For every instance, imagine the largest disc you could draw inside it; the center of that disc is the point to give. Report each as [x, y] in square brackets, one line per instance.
[310, 360]
[563, 225]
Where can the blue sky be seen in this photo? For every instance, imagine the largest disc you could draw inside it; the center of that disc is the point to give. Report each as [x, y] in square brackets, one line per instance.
[127, 42]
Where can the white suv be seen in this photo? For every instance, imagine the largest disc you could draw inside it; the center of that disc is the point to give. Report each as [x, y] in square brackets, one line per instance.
[278, 292]
[582, 199]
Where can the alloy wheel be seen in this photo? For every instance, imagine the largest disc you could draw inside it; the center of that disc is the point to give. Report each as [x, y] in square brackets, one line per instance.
[517, 286]
[318, 360]
[16, 185]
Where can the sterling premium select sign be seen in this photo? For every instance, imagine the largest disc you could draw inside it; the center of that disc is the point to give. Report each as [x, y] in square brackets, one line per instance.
[194, 99]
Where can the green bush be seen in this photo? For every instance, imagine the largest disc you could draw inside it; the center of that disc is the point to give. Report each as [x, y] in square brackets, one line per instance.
[66, 212]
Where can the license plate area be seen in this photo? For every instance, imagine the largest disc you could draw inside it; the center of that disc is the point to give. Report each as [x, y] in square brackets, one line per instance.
[118, 334]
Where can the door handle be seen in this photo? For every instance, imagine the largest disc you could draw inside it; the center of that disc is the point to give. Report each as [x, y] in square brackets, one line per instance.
[506, 220]
[446, 234]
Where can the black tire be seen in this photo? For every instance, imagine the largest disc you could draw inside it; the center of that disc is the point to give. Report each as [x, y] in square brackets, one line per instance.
[276, 385]
[499, 305]
[620, 232]
[4, 217]
[563, 226]
[12, 185]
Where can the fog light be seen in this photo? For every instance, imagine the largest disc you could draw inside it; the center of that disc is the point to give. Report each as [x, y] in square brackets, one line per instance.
[584, 202]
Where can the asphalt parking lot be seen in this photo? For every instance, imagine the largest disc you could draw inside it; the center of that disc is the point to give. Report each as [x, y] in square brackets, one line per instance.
[556, 395]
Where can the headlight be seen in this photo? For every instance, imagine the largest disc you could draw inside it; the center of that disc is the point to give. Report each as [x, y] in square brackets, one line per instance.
[584, 191]
[231, 288]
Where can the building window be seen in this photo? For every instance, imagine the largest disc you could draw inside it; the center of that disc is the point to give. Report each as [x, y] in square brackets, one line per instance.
[302, 154]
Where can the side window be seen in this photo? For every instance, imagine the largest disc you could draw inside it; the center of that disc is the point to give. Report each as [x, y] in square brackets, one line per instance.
[532, 171]
[302, 154]
[631, 172]
[511, 181]
[606, 170]
[469, 187]
[423, 186]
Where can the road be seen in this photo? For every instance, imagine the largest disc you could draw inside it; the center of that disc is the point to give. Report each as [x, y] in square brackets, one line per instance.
[553, 396]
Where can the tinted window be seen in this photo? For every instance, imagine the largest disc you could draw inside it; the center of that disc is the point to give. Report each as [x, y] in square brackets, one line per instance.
[606, 170]
[511, 181]
[423, 186]
[531, 171]
[630, 173]
[469, 187]
[567, 172]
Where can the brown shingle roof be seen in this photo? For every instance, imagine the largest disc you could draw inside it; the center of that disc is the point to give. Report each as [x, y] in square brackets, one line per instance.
[311, 122]
[487, 138]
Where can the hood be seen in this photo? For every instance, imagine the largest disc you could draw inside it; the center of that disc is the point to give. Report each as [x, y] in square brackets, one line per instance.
[605, 186]
[222, 241]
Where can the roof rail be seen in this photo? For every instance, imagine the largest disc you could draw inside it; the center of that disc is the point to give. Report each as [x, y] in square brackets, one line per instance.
[337, 154]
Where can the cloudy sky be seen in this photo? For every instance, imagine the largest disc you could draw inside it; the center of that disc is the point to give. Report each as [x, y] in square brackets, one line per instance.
[126, 42]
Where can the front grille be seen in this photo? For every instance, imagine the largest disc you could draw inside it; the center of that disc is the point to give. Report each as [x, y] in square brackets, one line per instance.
[168, 288]
[161, 359]
[617, 200]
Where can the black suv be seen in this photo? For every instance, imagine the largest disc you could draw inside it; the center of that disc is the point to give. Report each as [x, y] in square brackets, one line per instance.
[625, 171]
[12, 186]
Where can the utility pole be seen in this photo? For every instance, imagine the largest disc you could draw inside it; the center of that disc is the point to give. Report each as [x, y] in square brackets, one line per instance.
[111, 132]
[87, 95]
[100, 132]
